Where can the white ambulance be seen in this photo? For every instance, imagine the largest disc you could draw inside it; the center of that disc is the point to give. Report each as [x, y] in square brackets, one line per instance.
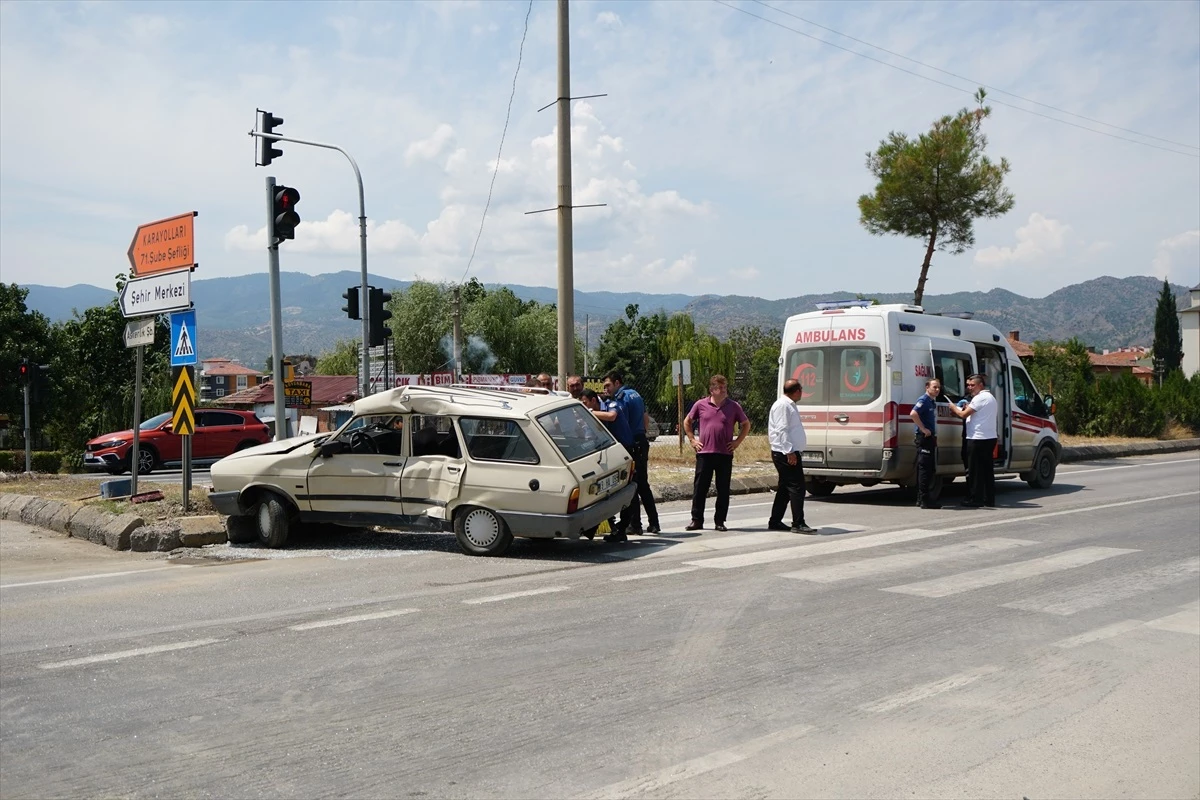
[861, 367]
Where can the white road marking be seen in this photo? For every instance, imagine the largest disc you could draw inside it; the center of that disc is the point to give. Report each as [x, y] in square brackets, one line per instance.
[816, 547]
[1066, 602]
[1047, 515]
[1126, 466]
[927, 690]
[94, 577]
[661, 573]
[511, 595]
[1006, 573]
[649, 784]
[326, 623]
[877, 566]
[1186, 621]
[141, 651]
[1099, 634]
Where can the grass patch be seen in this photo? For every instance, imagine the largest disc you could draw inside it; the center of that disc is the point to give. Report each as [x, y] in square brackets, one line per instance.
[82, 491]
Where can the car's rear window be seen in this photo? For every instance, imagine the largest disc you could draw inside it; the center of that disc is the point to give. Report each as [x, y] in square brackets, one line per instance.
[575, 432]
[496, 440]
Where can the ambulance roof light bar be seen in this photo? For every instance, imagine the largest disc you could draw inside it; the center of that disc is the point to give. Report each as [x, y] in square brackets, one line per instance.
[844, 304]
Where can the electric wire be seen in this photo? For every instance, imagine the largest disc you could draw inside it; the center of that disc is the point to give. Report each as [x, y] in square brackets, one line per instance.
[952, 86]
[971, 80]
[500, 149]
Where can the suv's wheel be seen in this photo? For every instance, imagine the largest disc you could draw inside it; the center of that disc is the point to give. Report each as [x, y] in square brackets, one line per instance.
[481, 532]
[1045, 465]
[147, 460]
[273, 521]
[241, 529]
[819, 487]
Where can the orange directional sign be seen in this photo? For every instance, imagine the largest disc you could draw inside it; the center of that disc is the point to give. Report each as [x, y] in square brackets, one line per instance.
[164, 245]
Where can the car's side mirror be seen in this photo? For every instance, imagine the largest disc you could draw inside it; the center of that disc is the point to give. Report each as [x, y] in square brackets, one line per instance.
[168, 427]
[333, 448]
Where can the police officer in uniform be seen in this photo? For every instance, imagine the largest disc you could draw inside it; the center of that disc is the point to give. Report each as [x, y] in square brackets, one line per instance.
[924, 415]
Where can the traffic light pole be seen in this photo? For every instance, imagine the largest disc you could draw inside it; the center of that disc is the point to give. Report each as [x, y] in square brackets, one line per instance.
[365, 375]
[28, 429]
[281, 421]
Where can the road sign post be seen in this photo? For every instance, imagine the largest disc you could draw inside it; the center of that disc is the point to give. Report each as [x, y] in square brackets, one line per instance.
[183, 419]
[681, 370]
[138, 333]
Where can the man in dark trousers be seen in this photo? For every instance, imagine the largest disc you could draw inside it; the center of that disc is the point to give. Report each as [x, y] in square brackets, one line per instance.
[924, 415]
[980, 433]
[785, 432]
[634, 408]
[714, 444]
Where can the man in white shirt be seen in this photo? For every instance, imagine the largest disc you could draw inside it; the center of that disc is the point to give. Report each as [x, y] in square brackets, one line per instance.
[980, 435]
[785, 432]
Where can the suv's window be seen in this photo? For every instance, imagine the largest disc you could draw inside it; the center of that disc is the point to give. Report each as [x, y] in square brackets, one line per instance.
[575, 432]
[374, 433]
[836, 374]
[433, 435]
[211, 419]
[496, 440]
[1024, 395]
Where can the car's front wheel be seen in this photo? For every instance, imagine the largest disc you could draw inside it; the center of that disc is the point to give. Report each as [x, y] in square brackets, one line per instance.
[1045, 466]
[147, 460]
[274, 521]
[481, 532]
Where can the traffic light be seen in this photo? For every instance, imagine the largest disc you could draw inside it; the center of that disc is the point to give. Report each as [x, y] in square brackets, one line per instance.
[25, 371]
[378, 298]
[351, 307]
[267, 151]
[286, 218]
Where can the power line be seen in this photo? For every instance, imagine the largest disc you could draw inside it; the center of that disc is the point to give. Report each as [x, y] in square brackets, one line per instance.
[499, 150]
[951, 86]
[972, 80]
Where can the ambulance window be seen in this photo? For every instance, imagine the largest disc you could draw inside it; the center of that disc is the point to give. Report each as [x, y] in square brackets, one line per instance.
[1024, 395]
[858, 375]
[952, 370]
[808, 367]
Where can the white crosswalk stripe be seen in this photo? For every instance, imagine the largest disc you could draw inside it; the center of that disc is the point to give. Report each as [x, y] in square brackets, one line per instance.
[1007, 573]
[818, 547]
[1110, 589]
[901, 561]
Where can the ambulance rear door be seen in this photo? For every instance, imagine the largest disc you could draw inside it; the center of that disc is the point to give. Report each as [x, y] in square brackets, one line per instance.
[853, 361]
[804, 359]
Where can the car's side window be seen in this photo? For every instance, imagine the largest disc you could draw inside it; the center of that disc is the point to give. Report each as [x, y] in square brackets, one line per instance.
[497, 440]
[433, 435]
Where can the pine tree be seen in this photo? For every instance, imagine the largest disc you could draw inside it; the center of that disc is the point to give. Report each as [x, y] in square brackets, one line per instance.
[1168, 342]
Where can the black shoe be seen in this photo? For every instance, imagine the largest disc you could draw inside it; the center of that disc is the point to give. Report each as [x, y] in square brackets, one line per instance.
[694, 526]
[719, 527]
[930, 505]
[634, 531]
[802, 529]
[653, 529]
[777, 526]
[616, 537]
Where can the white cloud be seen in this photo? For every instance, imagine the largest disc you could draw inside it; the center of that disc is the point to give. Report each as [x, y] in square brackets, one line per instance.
[431, 147]
[745, 273]
[1039, 237]
[608, 19]
[1183, 247]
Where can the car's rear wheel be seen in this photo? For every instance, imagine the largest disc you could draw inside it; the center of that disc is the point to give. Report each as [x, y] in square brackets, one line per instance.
[147, 460]
[241, 529]
[273, 520]
[819, 487]
[481, 532]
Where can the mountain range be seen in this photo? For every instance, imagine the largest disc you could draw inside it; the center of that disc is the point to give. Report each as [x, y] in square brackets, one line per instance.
[233, 314]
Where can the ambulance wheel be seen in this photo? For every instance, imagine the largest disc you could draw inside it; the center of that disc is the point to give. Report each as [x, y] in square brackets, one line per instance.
[1045, 465]
[481, 532]
[819, 487]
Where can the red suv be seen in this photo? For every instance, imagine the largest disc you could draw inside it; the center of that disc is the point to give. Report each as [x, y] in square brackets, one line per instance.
[219, 432]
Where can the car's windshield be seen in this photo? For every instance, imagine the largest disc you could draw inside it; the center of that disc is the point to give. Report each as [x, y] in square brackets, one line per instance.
[154, 422]
[575, 432]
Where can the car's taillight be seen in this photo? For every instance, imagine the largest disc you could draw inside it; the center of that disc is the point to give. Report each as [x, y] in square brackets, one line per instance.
[889, 425]
[573, 503]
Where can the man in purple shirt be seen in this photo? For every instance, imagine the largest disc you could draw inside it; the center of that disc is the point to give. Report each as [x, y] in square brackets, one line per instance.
[714, 444]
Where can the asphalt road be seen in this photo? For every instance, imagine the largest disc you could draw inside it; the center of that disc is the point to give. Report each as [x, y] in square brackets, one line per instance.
[1046, 648]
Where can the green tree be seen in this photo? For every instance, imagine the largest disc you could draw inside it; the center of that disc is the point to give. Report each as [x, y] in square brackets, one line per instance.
[1168, 342]
[756, 368]
[23, 334]
[1064, 370]
[708, 354]
[422, 328]
[934, 187]
[633, 345]
[342, 359]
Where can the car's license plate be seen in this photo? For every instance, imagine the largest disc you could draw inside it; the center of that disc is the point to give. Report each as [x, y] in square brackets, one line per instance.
[813, 457]
[608, 482]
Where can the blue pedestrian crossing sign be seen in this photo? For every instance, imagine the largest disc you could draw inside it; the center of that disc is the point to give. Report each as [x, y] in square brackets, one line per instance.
[183, 338]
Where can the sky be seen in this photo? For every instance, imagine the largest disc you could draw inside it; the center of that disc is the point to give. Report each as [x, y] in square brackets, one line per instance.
[729, 147]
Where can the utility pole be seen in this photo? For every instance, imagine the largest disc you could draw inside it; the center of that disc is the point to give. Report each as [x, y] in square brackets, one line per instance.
[454, 305]
[587, 341]
[566, 264]
[28, 427]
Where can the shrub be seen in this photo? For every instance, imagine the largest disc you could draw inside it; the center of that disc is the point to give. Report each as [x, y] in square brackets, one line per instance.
[40, 460]
[1179, 399]
[1123, 406]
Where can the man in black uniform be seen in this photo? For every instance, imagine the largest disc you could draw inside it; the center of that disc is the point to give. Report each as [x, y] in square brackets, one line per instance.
[924, 414]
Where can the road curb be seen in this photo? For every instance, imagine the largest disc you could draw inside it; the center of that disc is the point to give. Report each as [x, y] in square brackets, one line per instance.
[115, 531]
[1085, 452]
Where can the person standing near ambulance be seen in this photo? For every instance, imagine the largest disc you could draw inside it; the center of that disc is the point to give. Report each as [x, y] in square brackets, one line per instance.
[980, 435]
[924, 415]
[714, 444]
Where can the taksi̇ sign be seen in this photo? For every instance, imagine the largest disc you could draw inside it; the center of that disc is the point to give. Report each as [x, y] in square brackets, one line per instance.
[158, 294]
[165, 245]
